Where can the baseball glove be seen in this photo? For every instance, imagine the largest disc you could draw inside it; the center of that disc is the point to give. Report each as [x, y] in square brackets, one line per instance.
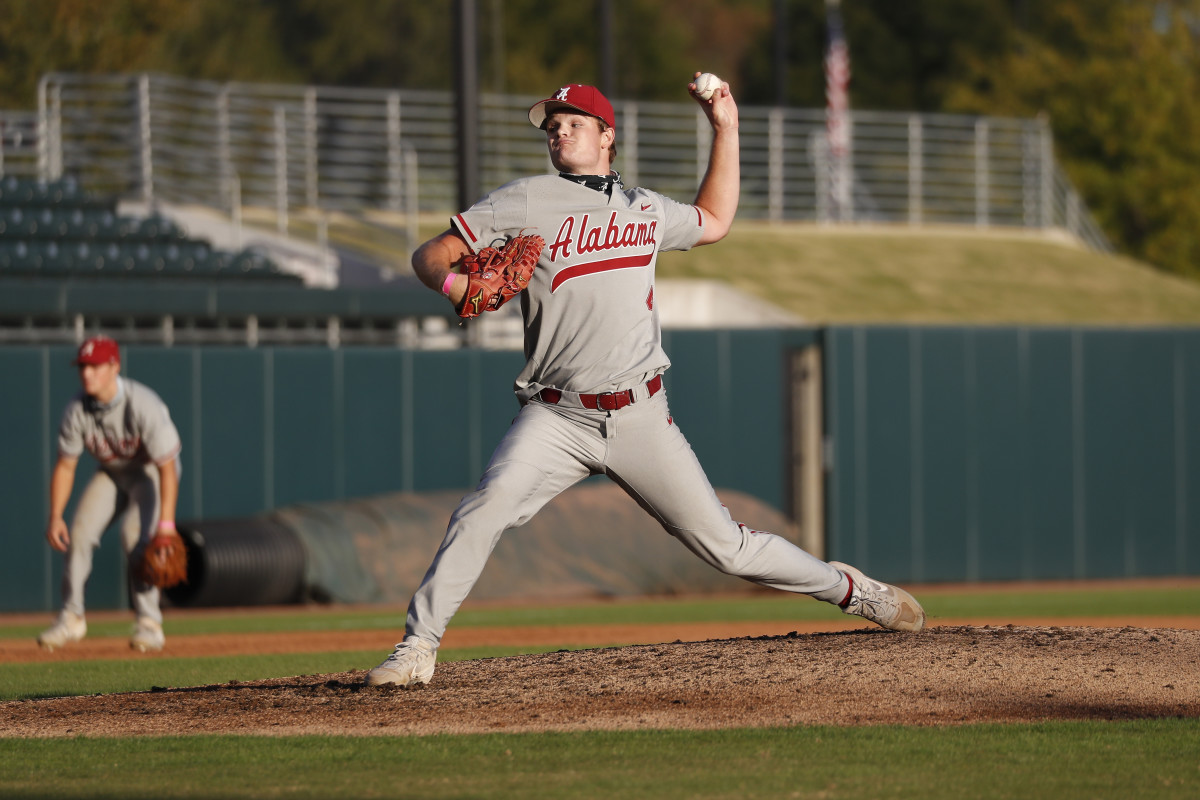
[163, 562]
[495, 276]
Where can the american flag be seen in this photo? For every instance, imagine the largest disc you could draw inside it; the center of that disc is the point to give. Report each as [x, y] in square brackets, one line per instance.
[837, 106]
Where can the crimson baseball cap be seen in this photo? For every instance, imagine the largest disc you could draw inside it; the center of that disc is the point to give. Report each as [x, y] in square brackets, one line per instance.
[98, 350]
[587, 99]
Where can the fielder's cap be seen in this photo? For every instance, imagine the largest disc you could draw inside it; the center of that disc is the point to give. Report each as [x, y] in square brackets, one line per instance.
[587, 99]
[98, 350]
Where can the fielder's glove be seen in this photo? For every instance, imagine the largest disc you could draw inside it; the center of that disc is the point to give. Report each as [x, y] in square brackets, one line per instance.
[163, 561]
[496, 276]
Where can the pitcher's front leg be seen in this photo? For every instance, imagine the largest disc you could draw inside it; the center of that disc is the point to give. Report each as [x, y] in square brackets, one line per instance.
[655, 464]
[542, 454]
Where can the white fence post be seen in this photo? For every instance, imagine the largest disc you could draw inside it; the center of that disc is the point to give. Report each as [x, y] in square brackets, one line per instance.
[56, 133]
[775, 165]
[982, 175]
[43, 124]
[1047, 173]
[225, 156]
[412, 210]
[395, 155]
[916, 170]
[1030, 172]
[311, 167]
[281, 170]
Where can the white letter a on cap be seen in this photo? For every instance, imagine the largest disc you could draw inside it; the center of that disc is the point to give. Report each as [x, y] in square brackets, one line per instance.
[562, 93]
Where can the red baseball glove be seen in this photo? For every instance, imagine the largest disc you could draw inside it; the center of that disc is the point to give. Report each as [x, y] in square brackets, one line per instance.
[494, 276]
[163, 562]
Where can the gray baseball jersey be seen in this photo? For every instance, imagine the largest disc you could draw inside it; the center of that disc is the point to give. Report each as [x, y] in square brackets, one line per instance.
[133, 430]
[591, 323]
[591, 327]
[128, 437]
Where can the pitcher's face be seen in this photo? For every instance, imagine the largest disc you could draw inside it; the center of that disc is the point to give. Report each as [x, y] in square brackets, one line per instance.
[577, 144]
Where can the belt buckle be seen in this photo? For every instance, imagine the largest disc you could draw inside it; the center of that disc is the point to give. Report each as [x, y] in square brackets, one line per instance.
[609, 401]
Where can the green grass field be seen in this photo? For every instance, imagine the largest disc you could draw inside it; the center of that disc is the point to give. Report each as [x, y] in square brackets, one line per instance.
[1145, 759]
[944, 276]
[1149, 759]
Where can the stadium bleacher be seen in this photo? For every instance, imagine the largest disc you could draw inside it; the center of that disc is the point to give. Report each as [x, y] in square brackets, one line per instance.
[72, 264]
[55, 229]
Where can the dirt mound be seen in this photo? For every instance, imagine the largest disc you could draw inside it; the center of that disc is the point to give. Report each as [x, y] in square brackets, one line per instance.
[945, 675]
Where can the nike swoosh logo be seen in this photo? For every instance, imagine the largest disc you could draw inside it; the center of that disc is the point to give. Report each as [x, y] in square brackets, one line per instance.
[647, 206]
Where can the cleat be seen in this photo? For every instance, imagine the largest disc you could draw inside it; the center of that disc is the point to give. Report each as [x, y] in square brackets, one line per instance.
[147, 637]
[411, 663]
[69, 628]
[881, 603]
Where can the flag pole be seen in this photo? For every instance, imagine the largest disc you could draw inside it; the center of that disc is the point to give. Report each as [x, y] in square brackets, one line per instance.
[838, 123]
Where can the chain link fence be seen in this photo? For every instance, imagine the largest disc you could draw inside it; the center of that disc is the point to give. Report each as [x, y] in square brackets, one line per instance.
[304, 149]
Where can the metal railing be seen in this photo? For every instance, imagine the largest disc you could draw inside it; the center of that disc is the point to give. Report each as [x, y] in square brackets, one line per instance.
[304, 148]
[19, 138]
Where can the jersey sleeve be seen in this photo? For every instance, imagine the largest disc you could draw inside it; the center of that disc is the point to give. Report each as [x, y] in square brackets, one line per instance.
[70, 431]
[495, 217]
[684, 223]
[159, 436]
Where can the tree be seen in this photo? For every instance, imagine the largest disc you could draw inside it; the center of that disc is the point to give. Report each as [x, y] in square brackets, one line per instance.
[1120, 90]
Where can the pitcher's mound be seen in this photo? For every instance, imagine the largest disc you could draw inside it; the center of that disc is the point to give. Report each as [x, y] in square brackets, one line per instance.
[944, 675]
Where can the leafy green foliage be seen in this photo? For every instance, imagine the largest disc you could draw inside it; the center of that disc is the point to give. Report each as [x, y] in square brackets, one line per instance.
[1119, 84]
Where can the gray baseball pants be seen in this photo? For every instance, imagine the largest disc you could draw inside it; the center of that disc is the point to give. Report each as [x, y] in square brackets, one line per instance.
[133, 495]
[549, 448]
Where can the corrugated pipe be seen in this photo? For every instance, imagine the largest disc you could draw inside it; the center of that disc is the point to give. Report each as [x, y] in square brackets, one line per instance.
[237, 562]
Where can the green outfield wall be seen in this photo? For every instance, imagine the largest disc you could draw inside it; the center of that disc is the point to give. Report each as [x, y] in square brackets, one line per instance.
[269, 428]
[1014, 453]
[948, 454]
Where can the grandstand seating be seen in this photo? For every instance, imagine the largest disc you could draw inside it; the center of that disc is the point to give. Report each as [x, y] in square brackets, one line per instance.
[52, 229]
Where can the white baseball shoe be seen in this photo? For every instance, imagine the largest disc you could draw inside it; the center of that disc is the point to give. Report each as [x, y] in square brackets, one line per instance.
[410, 663]
[147, 636]
[68, 628]
[883, 604]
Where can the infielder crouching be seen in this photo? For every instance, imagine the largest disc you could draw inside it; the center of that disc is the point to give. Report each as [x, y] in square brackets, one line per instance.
[591, 393]
[128, 429]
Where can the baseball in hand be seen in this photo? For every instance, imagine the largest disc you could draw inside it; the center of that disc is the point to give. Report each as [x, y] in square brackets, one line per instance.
[706, 85]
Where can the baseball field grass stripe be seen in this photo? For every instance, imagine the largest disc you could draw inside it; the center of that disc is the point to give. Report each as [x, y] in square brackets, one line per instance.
[1104, 601]
[1067, 761]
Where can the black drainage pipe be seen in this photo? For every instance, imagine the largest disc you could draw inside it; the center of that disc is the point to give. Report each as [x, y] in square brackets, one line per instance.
[240, 562]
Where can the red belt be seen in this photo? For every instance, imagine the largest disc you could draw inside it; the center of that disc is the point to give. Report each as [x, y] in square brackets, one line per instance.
[607, 401]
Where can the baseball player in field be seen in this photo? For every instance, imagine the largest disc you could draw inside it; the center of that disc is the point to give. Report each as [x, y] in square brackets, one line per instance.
[591, 392]
[127, 428]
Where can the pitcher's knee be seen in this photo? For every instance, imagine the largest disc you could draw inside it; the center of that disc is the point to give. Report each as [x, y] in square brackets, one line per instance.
[733, 549]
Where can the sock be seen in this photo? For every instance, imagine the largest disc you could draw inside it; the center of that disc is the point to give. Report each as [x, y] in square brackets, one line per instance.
[849, 593]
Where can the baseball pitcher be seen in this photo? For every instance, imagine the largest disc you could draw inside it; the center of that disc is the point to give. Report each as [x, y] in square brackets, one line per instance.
[127, 428]
[591, 392]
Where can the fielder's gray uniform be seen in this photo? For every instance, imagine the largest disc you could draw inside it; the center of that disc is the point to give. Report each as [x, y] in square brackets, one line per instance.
[591, 327]
[128, 437]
